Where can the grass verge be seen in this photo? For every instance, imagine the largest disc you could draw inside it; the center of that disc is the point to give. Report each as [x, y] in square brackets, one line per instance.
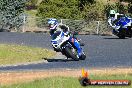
[61, 78]
[14, 54]
[68, 82]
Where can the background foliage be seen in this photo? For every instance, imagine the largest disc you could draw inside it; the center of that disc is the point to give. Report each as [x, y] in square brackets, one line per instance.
[78, 9]
[31, 4]
[66, 9]
[11, 13]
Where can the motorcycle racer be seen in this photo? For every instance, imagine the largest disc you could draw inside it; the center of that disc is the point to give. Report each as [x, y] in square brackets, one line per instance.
[113, 19]
[54, 26]
[121, 24]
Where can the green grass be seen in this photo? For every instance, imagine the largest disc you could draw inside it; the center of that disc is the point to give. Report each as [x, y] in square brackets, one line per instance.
[68, 82]
[12, 54]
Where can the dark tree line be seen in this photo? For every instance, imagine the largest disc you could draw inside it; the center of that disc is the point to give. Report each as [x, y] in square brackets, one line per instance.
[11, 13]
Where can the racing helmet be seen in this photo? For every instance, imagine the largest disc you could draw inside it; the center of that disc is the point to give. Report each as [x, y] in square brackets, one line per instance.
[52, 23]
[112, 13]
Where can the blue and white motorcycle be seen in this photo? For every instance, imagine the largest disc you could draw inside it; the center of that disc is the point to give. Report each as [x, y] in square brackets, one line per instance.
[124, 26]
[67, 45]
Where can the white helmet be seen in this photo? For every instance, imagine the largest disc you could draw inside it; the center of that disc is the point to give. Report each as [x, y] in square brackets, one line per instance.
[112, 12]
[52, 23]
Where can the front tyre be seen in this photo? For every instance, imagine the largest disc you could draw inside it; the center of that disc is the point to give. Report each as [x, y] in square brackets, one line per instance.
[82, 57]
[121, 36]
[73, 55]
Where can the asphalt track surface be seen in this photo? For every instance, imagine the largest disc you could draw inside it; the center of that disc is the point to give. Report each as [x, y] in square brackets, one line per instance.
[101, 51]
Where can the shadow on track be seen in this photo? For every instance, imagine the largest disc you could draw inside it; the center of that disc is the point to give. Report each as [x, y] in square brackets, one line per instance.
[59, 60]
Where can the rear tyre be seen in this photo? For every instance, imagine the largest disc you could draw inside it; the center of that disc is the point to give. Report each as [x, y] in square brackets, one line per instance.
[69, 52]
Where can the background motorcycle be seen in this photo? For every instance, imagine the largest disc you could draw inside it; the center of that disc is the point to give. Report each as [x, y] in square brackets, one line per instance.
[124, 26]
[62, 43]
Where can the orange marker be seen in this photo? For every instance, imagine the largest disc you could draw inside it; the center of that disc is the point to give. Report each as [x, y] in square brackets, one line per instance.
[84, 74]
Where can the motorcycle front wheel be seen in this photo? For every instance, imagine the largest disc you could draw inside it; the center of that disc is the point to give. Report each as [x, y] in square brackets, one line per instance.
[73, 55]
[122, 34]
[83, 56]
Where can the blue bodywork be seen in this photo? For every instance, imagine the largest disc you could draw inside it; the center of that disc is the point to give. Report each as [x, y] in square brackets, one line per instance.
[77, 45]
[75, 42]
[123, 22]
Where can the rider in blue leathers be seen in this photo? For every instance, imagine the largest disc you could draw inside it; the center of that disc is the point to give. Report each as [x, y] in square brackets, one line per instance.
[55, 26]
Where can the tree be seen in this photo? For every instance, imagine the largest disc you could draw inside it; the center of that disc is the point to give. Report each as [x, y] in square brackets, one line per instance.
[83, 3]
[64, 9]
[31, 4]
[11, 13]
